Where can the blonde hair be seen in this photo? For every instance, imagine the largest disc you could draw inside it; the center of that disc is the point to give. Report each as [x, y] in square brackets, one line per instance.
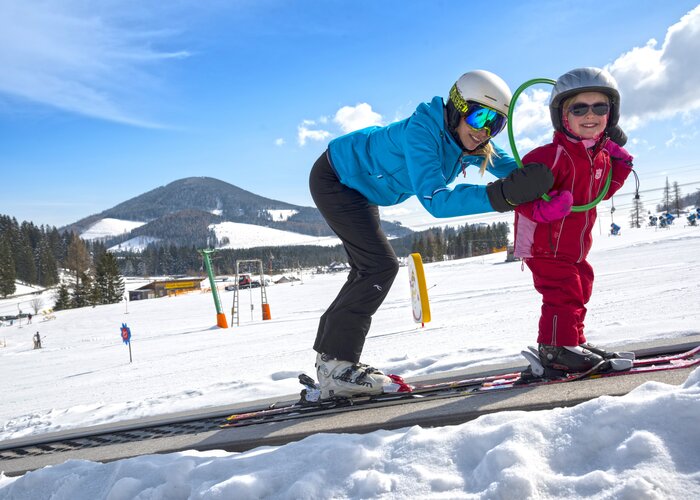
[488, 152]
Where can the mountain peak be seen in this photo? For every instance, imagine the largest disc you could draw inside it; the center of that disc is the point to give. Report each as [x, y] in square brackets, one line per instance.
[180, 212]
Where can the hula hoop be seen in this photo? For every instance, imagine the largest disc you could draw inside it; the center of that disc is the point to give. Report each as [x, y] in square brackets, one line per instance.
[516, 156]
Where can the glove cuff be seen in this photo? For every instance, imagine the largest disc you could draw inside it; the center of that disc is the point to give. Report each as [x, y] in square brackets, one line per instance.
[498, 201]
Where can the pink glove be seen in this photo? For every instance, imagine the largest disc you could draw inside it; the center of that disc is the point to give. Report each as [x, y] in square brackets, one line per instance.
[618, 152]
[557, 208]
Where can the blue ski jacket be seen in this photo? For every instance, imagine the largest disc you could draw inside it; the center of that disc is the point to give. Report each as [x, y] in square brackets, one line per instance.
[415, 156]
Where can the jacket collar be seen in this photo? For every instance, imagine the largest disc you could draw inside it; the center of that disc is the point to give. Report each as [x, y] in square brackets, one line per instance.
[577, 147]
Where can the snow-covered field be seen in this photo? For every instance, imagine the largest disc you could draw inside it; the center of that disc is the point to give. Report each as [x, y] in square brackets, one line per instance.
[108, 227]
[643, 445]
[229, 234]
[237, 235]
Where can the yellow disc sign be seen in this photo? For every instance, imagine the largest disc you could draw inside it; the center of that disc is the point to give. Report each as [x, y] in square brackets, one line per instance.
[419, 292]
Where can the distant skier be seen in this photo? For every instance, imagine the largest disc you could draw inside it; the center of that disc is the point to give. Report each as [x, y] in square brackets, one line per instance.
[584, 108]
[614, 229]
[37, 341]
[418, 156]
[692, 219]
[653, 219]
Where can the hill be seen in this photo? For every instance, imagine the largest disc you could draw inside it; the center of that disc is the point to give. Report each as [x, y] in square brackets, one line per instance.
[186, 211]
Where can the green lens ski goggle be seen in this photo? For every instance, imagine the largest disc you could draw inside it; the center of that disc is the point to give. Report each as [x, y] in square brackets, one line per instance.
[480, 117]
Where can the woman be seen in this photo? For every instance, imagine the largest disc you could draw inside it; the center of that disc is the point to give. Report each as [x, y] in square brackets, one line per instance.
[420, 155]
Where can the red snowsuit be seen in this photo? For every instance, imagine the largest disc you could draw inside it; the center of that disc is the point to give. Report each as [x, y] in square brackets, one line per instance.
[556, 252]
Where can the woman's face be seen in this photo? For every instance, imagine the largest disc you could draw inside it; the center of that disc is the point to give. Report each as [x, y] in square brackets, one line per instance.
[589, 125]
[471, 138]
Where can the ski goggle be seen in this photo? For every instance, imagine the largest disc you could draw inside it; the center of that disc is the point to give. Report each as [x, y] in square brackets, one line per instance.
[480, 117]
[582, 109]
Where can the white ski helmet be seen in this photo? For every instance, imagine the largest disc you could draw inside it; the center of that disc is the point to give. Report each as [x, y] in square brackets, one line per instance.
[483, 87]
[584, 80]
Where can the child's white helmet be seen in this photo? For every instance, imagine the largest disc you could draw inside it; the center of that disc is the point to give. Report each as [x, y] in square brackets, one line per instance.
[584, 80]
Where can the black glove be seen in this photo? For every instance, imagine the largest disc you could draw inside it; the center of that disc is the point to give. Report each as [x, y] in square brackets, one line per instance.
[617, 136]
[522, 185]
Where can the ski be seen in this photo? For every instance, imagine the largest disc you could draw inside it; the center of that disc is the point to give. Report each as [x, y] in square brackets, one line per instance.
[505, 378]
[667, 358]
[453, 388]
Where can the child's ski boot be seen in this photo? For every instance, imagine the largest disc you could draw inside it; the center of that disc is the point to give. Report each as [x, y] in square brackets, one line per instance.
[607, 354]
[551, 362]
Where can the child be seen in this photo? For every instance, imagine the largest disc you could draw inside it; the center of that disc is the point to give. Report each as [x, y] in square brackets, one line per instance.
[418, 156]
[553, 241]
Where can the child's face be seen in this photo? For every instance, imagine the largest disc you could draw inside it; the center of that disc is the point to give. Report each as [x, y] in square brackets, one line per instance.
[589, 125]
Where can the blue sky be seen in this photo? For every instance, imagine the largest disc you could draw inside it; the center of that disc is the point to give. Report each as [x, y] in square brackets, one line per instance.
[103, 101]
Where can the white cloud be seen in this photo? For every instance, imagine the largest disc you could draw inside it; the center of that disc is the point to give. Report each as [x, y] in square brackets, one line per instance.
[351, 118]
[58, 55]
[532, 111]
[655, 83]
[532, 126]
[280, 142]
[304, 133]
[348, 118]
[677, 138]
[658, 83]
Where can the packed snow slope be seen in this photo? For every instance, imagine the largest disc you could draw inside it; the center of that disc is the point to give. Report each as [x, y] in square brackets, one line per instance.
[642, 445]
[484, 311]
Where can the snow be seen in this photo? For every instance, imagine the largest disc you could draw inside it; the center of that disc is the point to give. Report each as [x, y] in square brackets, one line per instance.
[641, 445]
[136, 244]
[281, 215]
[108, 227]
[237, 235]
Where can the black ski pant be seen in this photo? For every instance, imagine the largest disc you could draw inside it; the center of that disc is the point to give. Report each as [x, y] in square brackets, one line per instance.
[373, 263]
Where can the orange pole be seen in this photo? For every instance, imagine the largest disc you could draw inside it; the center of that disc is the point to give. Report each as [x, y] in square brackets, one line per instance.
[221, 320]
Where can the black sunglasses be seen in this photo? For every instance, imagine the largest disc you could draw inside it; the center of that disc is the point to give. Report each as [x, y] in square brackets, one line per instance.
[582, 109]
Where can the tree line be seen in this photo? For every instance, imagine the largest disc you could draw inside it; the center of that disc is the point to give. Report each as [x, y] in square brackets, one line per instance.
[34, 254]
[672, 201]
[435, 244]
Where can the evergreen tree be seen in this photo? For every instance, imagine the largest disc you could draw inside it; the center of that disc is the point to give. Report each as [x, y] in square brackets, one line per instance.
[7, 269]
[165, 260]
[129, 269]
[142, 269]
[677, 199]
[109, 285]
[47, 270]
[637, 213]
[419, 246]
[667, 196]
[57, 245]
[82, 292]
[63, 300]
[24, 258]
